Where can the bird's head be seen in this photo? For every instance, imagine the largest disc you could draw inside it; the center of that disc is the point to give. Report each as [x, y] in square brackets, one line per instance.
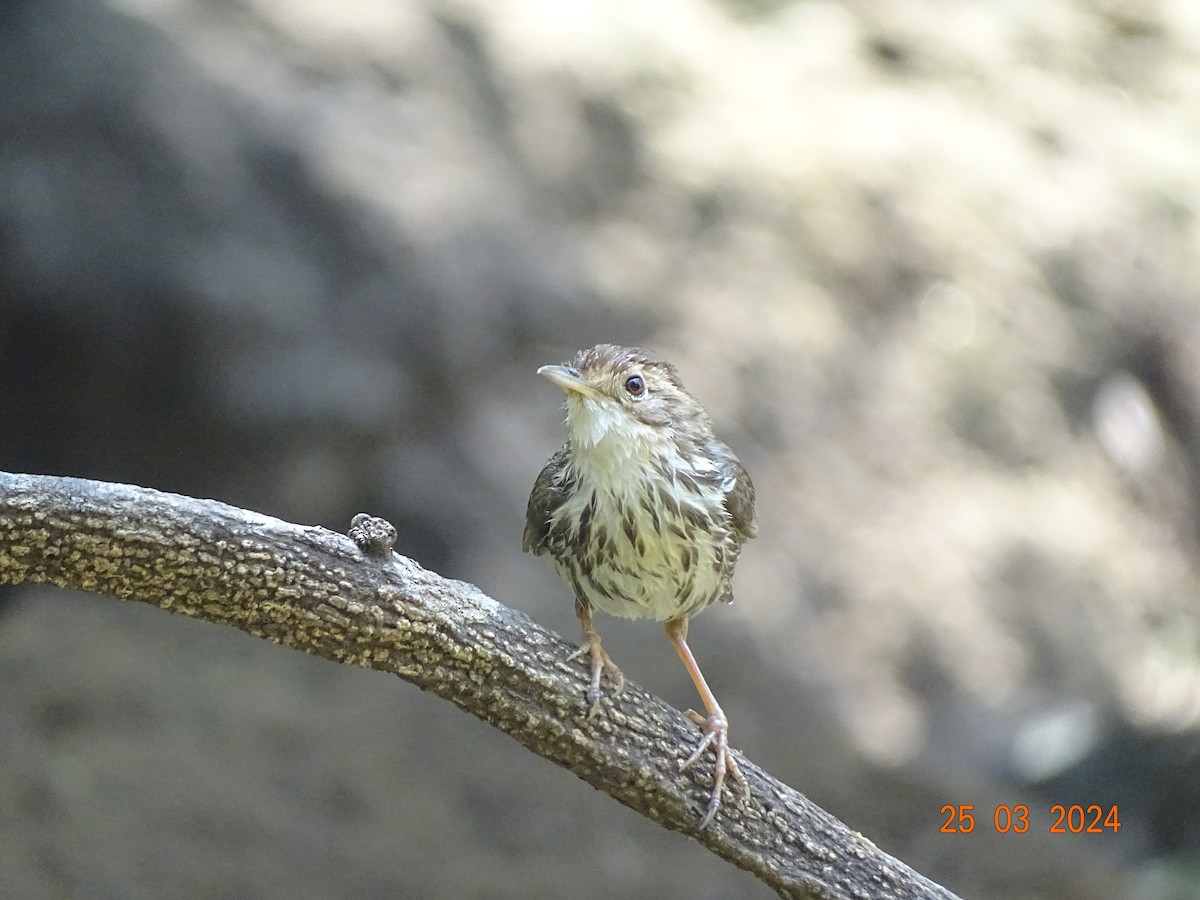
[626, 394]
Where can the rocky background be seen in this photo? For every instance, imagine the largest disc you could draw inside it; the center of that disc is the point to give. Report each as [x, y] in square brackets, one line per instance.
[932, 267]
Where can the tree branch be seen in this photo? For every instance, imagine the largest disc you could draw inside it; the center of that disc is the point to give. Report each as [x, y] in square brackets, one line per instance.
[317, 591]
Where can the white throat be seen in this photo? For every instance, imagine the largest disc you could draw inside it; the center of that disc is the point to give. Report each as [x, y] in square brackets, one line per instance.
[605, 437]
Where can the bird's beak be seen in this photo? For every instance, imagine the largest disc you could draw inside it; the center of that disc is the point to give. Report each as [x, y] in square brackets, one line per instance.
[569, 380]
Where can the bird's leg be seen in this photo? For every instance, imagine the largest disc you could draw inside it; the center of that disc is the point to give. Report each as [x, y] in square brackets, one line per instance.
[715, 725]
[601, 662]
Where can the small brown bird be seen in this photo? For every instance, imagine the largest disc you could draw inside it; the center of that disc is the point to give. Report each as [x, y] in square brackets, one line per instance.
[644, 513]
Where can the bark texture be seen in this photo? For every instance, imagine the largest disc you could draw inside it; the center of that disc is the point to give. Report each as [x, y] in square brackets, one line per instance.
[318, 591]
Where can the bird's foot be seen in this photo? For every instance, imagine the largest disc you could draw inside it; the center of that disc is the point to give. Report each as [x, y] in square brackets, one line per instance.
[602, 664]
[716, 735]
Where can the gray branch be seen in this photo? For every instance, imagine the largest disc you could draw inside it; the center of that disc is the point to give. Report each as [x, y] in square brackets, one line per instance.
[318, 591]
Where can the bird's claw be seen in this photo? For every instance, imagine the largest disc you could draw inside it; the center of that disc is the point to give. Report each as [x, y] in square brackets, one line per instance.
[602, 664]
[716, 735]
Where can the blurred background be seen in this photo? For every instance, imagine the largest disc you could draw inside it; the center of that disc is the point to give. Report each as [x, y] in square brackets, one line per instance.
[932, 267]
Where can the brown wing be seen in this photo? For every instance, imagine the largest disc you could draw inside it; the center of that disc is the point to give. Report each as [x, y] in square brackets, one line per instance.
[739, 491]
[549, 492]
[739, 500]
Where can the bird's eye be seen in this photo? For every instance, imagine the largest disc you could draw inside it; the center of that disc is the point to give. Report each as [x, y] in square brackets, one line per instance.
[635, 385]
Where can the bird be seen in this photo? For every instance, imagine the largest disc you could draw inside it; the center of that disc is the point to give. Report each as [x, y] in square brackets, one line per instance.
[643, 512]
